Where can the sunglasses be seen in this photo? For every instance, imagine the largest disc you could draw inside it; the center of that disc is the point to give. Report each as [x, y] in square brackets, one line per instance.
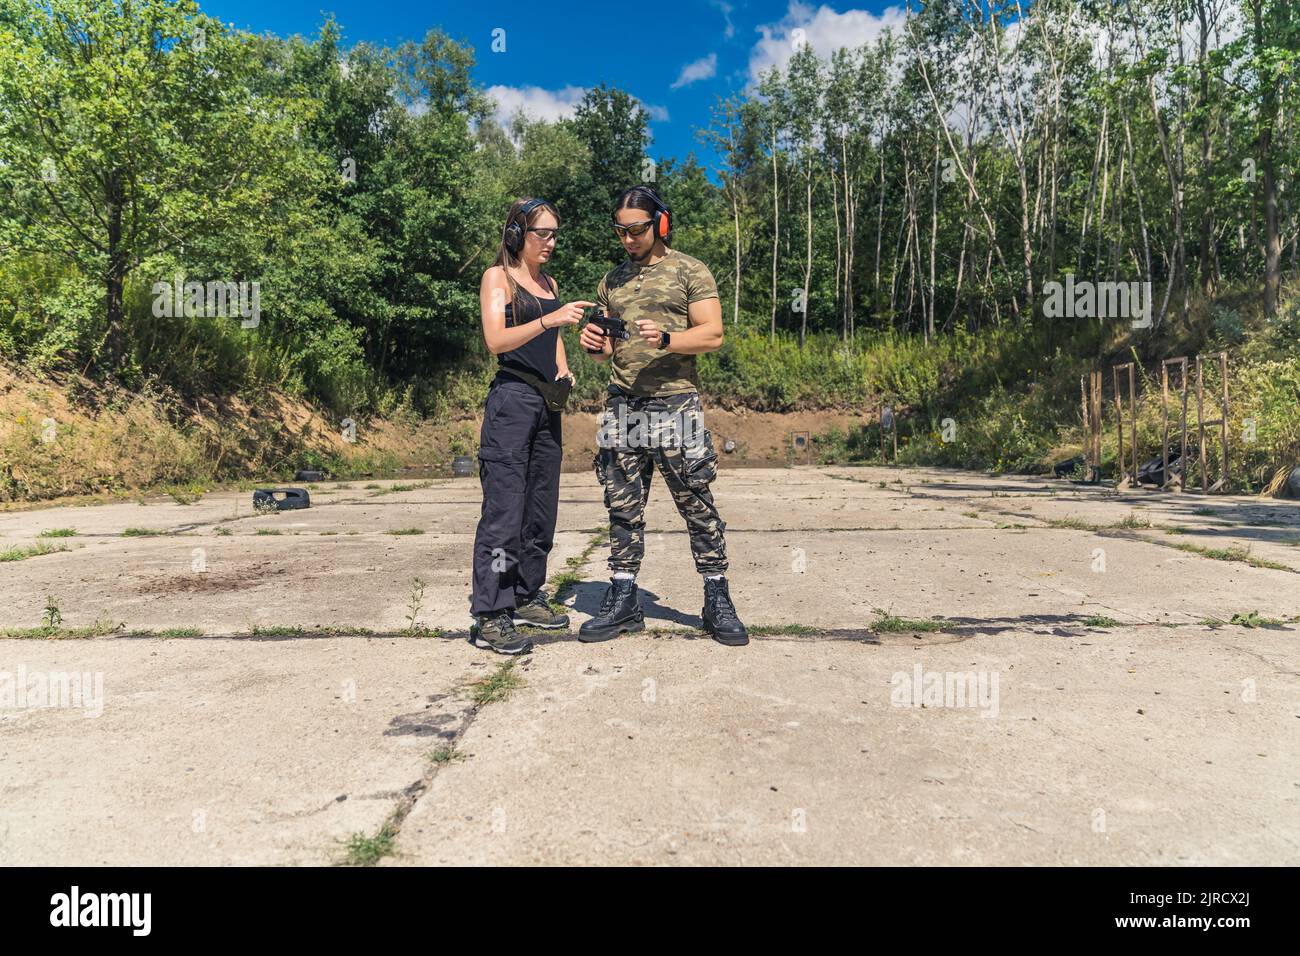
[636, 229]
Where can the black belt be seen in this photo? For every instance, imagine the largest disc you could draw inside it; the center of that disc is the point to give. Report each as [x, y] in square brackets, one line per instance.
[555, 394]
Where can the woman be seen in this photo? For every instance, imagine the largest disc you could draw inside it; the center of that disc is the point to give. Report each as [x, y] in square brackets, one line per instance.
[520, 445]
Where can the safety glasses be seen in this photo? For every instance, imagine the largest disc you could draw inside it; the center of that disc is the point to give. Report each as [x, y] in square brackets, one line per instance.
[636, 228]
[545, 234]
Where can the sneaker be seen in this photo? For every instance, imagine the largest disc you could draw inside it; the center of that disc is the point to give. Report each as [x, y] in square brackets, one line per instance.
[537, 613]
[719, 614]
[619, 611]
[496, 632]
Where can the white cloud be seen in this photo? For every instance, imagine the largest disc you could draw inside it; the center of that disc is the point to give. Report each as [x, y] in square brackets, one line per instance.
[725, 9]
[822, 28]
[535, 102]
[702, 69]
[548, 105]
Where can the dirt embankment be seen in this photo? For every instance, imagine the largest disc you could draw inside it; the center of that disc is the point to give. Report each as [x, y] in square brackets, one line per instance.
[62, 435]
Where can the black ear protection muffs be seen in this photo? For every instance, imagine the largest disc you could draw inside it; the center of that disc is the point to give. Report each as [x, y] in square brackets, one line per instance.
[514, 234]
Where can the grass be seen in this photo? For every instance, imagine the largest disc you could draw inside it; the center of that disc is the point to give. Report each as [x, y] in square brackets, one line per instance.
[22, 553]
[1241, 555]
[888, 623]
[391, 489]
[771, 629]
[278, 630]
[498, 685]
[1133, 521]
[1254, 619]
[362, 850]
[445, 755]
[223, 532]
[1100, 620]
[180, 632]
[1077, 524]
[294, 630]
[58, 533]
[406, 531]
[268, 531]
[59, 632]
[142, 532]
[563, 581]
[184, 496]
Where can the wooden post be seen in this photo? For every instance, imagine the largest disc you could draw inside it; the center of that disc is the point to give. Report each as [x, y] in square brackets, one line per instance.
[1200, 424]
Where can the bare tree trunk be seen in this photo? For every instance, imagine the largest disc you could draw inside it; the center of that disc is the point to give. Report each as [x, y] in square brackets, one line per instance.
[776, 228]
[934, 234]
[116, 277]
[839, 301]
[807, 271]
[1268, 110]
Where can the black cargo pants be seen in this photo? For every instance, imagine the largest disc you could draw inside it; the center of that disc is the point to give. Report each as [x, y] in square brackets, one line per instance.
[519, 455]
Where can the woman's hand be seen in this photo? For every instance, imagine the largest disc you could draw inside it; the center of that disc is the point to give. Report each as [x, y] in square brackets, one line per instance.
[568, 314]
[565, 373]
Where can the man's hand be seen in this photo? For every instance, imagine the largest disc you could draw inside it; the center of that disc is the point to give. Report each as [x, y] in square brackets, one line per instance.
[593, 339]
[649, 331]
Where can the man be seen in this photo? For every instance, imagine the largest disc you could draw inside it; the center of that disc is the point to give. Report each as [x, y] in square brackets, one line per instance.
[669, 303]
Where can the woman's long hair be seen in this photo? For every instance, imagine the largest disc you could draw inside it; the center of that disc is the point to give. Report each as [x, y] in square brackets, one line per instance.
[507, 259]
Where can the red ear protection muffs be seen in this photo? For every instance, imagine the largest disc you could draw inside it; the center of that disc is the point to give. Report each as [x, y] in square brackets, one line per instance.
[514, 234]
[663, 216]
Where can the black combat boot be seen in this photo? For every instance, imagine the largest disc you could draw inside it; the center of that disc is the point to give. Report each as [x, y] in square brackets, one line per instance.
[620, 611]
[719, 614]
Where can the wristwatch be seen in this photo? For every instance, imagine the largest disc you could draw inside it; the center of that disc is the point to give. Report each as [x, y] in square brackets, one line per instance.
[664, 339]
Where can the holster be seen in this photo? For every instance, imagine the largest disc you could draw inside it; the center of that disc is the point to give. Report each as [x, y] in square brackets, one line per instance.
[555, 394]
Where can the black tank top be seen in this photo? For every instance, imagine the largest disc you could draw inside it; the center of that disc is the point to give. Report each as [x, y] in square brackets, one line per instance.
[538, 354]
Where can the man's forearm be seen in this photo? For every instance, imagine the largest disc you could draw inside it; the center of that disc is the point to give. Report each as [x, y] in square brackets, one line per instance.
[695, 341]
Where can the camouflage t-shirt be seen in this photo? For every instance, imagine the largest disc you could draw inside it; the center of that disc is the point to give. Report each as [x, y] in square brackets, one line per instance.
[662, 292]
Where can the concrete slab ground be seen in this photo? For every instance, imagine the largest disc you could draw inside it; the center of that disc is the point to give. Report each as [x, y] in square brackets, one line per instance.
[1085, 700]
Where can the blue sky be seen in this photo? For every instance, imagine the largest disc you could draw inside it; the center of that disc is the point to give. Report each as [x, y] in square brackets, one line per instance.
[675, 56]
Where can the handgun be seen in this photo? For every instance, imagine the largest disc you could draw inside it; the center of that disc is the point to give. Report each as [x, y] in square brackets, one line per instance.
[609, 326]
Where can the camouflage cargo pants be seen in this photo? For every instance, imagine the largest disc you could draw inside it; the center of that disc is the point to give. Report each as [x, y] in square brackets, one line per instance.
[634, 435]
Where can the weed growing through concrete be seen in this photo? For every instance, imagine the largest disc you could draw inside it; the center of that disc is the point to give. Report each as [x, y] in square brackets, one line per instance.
[445, 755]
[498, 685]
[1100, 620]
[52, 617]
[888, 623]
[414, 602]
[364, 850]
[21, 553]
[1242, 555]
